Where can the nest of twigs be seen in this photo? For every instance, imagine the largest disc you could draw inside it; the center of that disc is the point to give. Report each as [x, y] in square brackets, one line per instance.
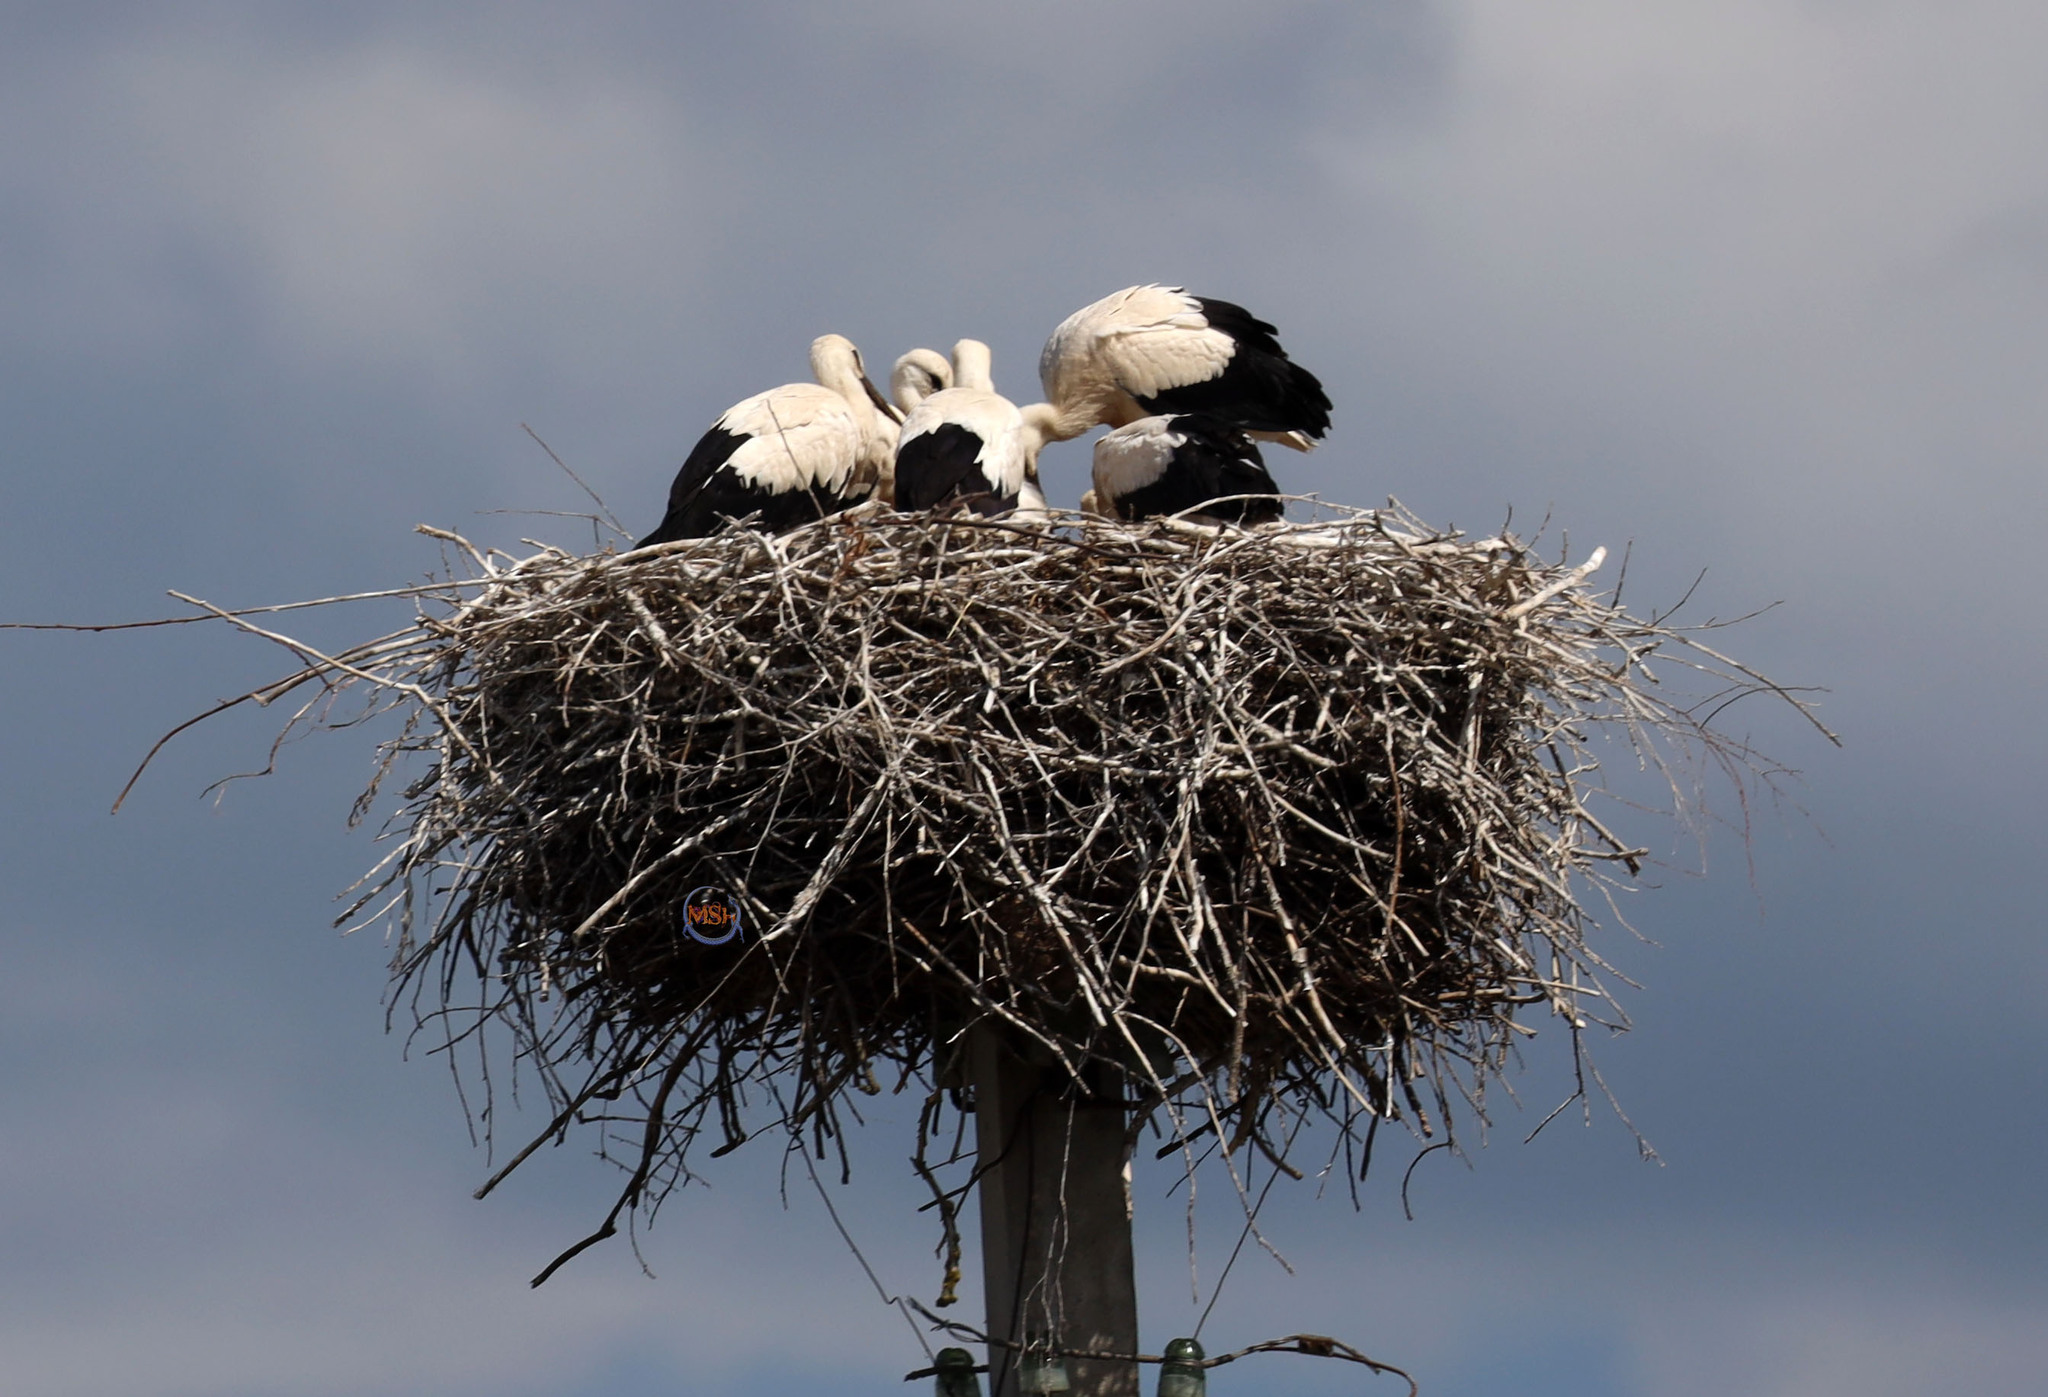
[1280, 824]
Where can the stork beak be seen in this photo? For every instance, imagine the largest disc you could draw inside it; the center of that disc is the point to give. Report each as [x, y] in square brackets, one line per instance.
[874, 396]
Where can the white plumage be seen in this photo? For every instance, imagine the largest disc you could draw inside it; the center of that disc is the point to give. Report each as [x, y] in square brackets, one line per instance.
[797, 437]
[1156, 349]
[789, 455]
[1132, 344]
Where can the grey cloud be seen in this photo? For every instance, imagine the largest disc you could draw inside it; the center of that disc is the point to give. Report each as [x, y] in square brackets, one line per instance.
[1758, 286]
[382, 203]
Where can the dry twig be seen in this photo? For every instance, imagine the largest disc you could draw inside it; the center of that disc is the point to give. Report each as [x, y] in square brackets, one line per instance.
[1283, 823]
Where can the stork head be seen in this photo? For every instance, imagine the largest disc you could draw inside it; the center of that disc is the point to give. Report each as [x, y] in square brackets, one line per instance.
[918, 375]
[837, 364]
[834, 361]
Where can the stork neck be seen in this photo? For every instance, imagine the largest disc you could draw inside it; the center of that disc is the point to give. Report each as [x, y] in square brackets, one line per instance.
[843, 376]
[972, 366]
[1053, 423]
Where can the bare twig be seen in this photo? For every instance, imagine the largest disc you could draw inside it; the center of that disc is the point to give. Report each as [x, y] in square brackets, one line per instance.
[1296, 821]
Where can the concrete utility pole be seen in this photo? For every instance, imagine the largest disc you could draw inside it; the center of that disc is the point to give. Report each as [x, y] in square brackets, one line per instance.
[1055, 1220]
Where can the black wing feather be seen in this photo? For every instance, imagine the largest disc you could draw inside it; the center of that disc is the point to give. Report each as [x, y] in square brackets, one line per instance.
[1215, 460]
[1260, 390]
[940, 465]
[706, 496]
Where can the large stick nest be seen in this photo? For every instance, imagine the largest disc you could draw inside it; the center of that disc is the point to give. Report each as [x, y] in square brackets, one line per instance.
[1284, 823]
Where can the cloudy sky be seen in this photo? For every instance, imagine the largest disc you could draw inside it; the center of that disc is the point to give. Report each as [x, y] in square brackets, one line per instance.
[1756, 287]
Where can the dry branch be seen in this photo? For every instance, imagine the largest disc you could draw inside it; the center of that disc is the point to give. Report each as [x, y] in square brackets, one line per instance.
[1284, 823]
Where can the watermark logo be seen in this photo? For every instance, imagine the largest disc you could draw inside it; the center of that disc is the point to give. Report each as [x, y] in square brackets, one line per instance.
[711, 916]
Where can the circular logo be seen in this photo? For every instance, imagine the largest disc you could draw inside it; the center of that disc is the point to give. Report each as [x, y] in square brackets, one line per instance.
[710, 916]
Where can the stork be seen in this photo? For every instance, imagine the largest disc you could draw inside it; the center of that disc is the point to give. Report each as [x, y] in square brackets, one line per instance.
[917, 374]
[787, 456]
[970, 443]
[972, 369]
[1172, 465]
[1157, 350]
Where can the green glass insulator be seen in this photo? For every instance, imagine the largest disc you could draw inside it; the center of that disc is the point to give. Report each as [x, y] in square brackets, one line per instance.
[956, 1376]
[1182, 1374]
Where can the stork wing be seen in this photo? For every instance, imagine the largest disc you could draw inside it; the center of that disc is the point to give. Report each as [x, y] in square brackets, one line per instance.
[1139, 342]
[964, 441]
[1146, 360]
[800, 436]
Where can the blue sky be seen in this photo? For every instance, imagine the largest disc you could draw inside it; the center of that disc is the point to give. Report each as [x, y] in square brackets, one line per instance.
[1756, 287]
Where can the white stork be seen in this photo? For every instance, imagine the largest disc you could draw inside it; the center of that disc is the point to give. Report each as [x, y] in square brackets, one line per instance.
[1157, 350]
[917, 375]
[1172, 465]
[970, 443]
[789, 455]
